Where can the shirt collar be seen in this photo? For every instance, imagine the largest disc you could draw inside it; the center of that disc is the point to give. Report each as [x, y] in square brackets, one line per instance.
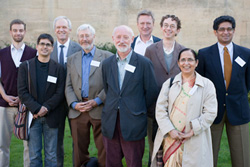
[138, 40]
[168, 52]
[66, 45]
[127, 59]
[229, 47]
[13, 47]
[92, 52]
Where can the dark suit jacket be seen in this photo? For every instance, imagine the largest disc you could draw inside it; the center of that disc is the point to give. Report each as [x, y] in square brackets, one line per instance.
[73, 48]
[139, 90]
[235, 99]
[54, 92]
[155, 53]
[155, 39]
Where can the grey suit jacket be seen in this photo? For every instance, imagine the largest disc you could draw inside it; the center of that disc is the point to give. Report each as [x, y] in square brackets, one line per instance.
[155, 53]
[74, 82]
[73, 48]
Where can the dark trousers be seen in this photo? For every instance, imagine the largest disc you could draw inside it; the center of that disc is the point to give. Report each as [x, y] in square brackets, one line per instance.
[81, 139]
[117, 148]
[238, 140]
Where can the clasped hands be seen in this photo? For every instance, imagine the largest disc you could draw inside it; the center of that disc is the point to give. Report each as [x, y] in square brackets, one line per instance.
[42, 112]
[85, 106]
[181, 136]
[12, 100]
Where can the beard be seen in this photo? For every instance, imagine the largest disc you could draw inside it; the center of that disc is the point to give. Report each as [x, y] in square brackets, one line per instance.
[122, 49]
[18, 39]
[88, 46]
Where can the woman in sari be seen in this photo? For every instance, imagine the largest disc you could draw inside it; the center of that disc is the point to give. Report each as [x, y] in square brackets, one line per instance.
[185, 110]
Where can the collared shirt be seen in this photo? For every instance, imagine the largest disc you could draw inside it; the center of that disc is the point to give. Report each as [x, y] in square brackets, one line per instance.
[140, 46]
[171, 50]
[16, 55]
[121, 67]
[65, 50]
[221, 52]
[86, 60]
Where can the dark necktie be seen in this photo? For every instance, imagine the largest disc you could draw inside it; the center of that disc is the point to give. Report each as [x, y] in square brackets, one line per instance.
[61, 58]
[227, 67]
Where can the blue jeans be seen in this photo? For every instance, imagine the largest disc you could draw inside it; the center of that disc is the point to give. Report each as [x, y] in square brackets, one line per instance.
[39, 130]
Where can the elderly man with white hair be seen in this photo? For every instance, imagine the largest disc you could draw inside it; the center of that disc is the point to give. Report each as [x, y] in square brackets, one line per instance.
[85, 97]
[130, 86]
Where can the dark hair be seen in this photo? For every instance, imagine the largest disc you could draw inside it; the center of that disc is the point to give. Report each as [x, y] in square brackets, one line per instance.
[17, 21]
[145, 13]
[174, 18]
[188, 49]
[45, 36]
[222, 19]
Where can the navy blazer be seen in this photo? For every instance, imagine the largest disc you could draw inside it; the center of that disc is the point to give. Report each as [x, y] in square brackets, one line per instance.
[155, 39]
[235, 98]
[139, 90]
[54, 91]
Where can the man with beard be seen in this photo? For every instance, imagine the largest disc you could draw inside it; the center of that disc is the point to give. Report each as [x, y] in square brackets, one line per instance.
[85, 97]
[10, 59]
[63, 48]
[130, 86]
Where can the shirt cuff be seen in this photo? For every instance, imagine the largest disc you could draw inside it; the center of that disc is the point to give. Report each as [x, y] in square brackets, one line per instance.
[98, 101]
[73, 105]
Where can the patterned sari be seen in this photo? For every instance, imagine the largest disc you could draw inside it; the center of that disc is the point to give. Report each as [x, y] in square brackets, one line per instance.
[173, 149]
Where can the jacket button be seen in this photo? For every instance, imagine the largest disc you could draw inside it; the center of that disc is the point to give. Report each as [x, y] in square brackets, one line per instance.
[224, 105]
[226, 94]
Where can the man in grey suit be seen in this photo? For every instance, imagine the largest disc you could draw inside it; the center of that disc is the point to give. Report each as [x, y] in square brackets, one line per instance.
[85, 96]
[164, 56]
[63, 48]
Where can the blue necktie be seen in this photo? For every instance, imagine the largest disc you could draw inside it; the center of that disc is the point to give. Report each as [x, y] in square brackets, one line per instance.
[61, 58]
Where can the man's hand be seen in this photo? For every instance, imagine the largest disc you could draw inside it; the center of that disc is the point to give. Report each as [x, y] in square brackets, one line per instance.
[12, 100]
[43, 111]
[187, 136]
[85, 106]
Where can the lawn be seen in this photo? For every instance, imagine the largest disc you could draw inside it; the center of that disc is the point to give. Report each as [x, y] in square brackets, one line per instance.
[16, 151]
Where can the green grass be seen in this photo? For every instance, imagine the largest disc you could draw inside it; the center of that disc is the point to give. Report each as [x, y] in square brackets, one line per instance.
[16, 151]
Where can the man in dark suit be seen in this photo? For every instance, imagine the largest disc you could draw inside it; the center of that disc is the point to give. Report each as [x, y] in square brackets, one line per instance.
[63, 48]
[164, 56]
[130, 87]
[145, 25]
[85, 96]
[10, 59]
[227, 65]
[43, 100]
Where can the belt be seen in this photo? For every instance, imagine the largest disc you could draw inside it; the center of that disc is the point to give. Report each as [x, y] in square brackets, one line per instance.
[85, 99]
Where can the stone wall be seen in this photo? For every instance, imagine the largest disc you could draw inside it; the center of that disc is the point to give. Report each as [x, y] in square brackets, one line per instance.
[196, 15]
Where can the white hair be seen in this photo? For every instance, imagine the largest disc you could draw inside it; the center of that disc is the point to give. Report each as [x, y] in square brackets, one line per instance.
[62, 17]
[126, 27]
[84, 27]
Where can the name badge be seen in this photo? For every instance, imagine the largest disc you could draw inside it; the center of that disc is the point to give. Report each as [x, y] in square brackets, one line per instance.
[191, 92]
[130, 68]
[240, 61]
[95, 63]
[51, 79]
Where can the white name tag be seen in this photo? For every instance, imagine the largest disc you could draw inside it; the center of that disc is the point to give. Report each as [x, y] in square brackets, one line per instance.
[95, 63]
[130, 68]
[191, 92]
[51, 79]
[240, 61]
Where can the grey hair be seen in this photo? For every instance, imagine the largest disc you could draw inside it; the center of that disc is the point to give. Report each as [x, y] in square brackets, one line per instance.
[145, 13]
[84, 27]
[124, 26]
[62, 17]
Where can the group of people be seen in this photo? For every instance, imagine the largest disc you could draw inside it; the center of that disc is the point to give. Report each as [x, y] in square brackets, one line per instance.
[151, 87]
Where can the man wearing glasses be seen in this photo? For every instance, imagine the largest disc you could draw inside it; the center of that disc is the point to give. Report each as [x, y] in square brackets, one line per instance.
[227, 65]
[43, 100]
[10, 59]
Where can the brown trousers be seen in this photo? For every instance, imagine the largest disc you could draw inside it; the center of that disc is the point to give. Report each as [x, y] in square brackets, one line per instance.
[80, 128]
[238, 140]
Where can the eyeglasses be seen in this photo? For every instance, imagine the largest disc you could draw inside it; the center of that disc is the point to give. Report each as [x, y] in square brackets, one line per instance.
[171, 26]
[222, 29]
[189, 60]
[45, 44]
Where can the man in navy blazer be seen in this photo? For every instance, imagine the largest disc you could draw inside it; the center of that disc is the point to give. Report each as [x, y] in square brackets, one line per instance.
[130, 87]
[145, 25]
[232, 93]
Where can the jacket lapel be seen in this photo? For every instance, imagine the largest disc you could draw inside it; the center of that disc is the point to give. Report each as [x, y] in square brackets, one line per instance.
[235, 66]
[160, 55]
[128, 75]
[97, 57]
[115, 73]
[175, 55]
[78, 64]
[32, 70]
